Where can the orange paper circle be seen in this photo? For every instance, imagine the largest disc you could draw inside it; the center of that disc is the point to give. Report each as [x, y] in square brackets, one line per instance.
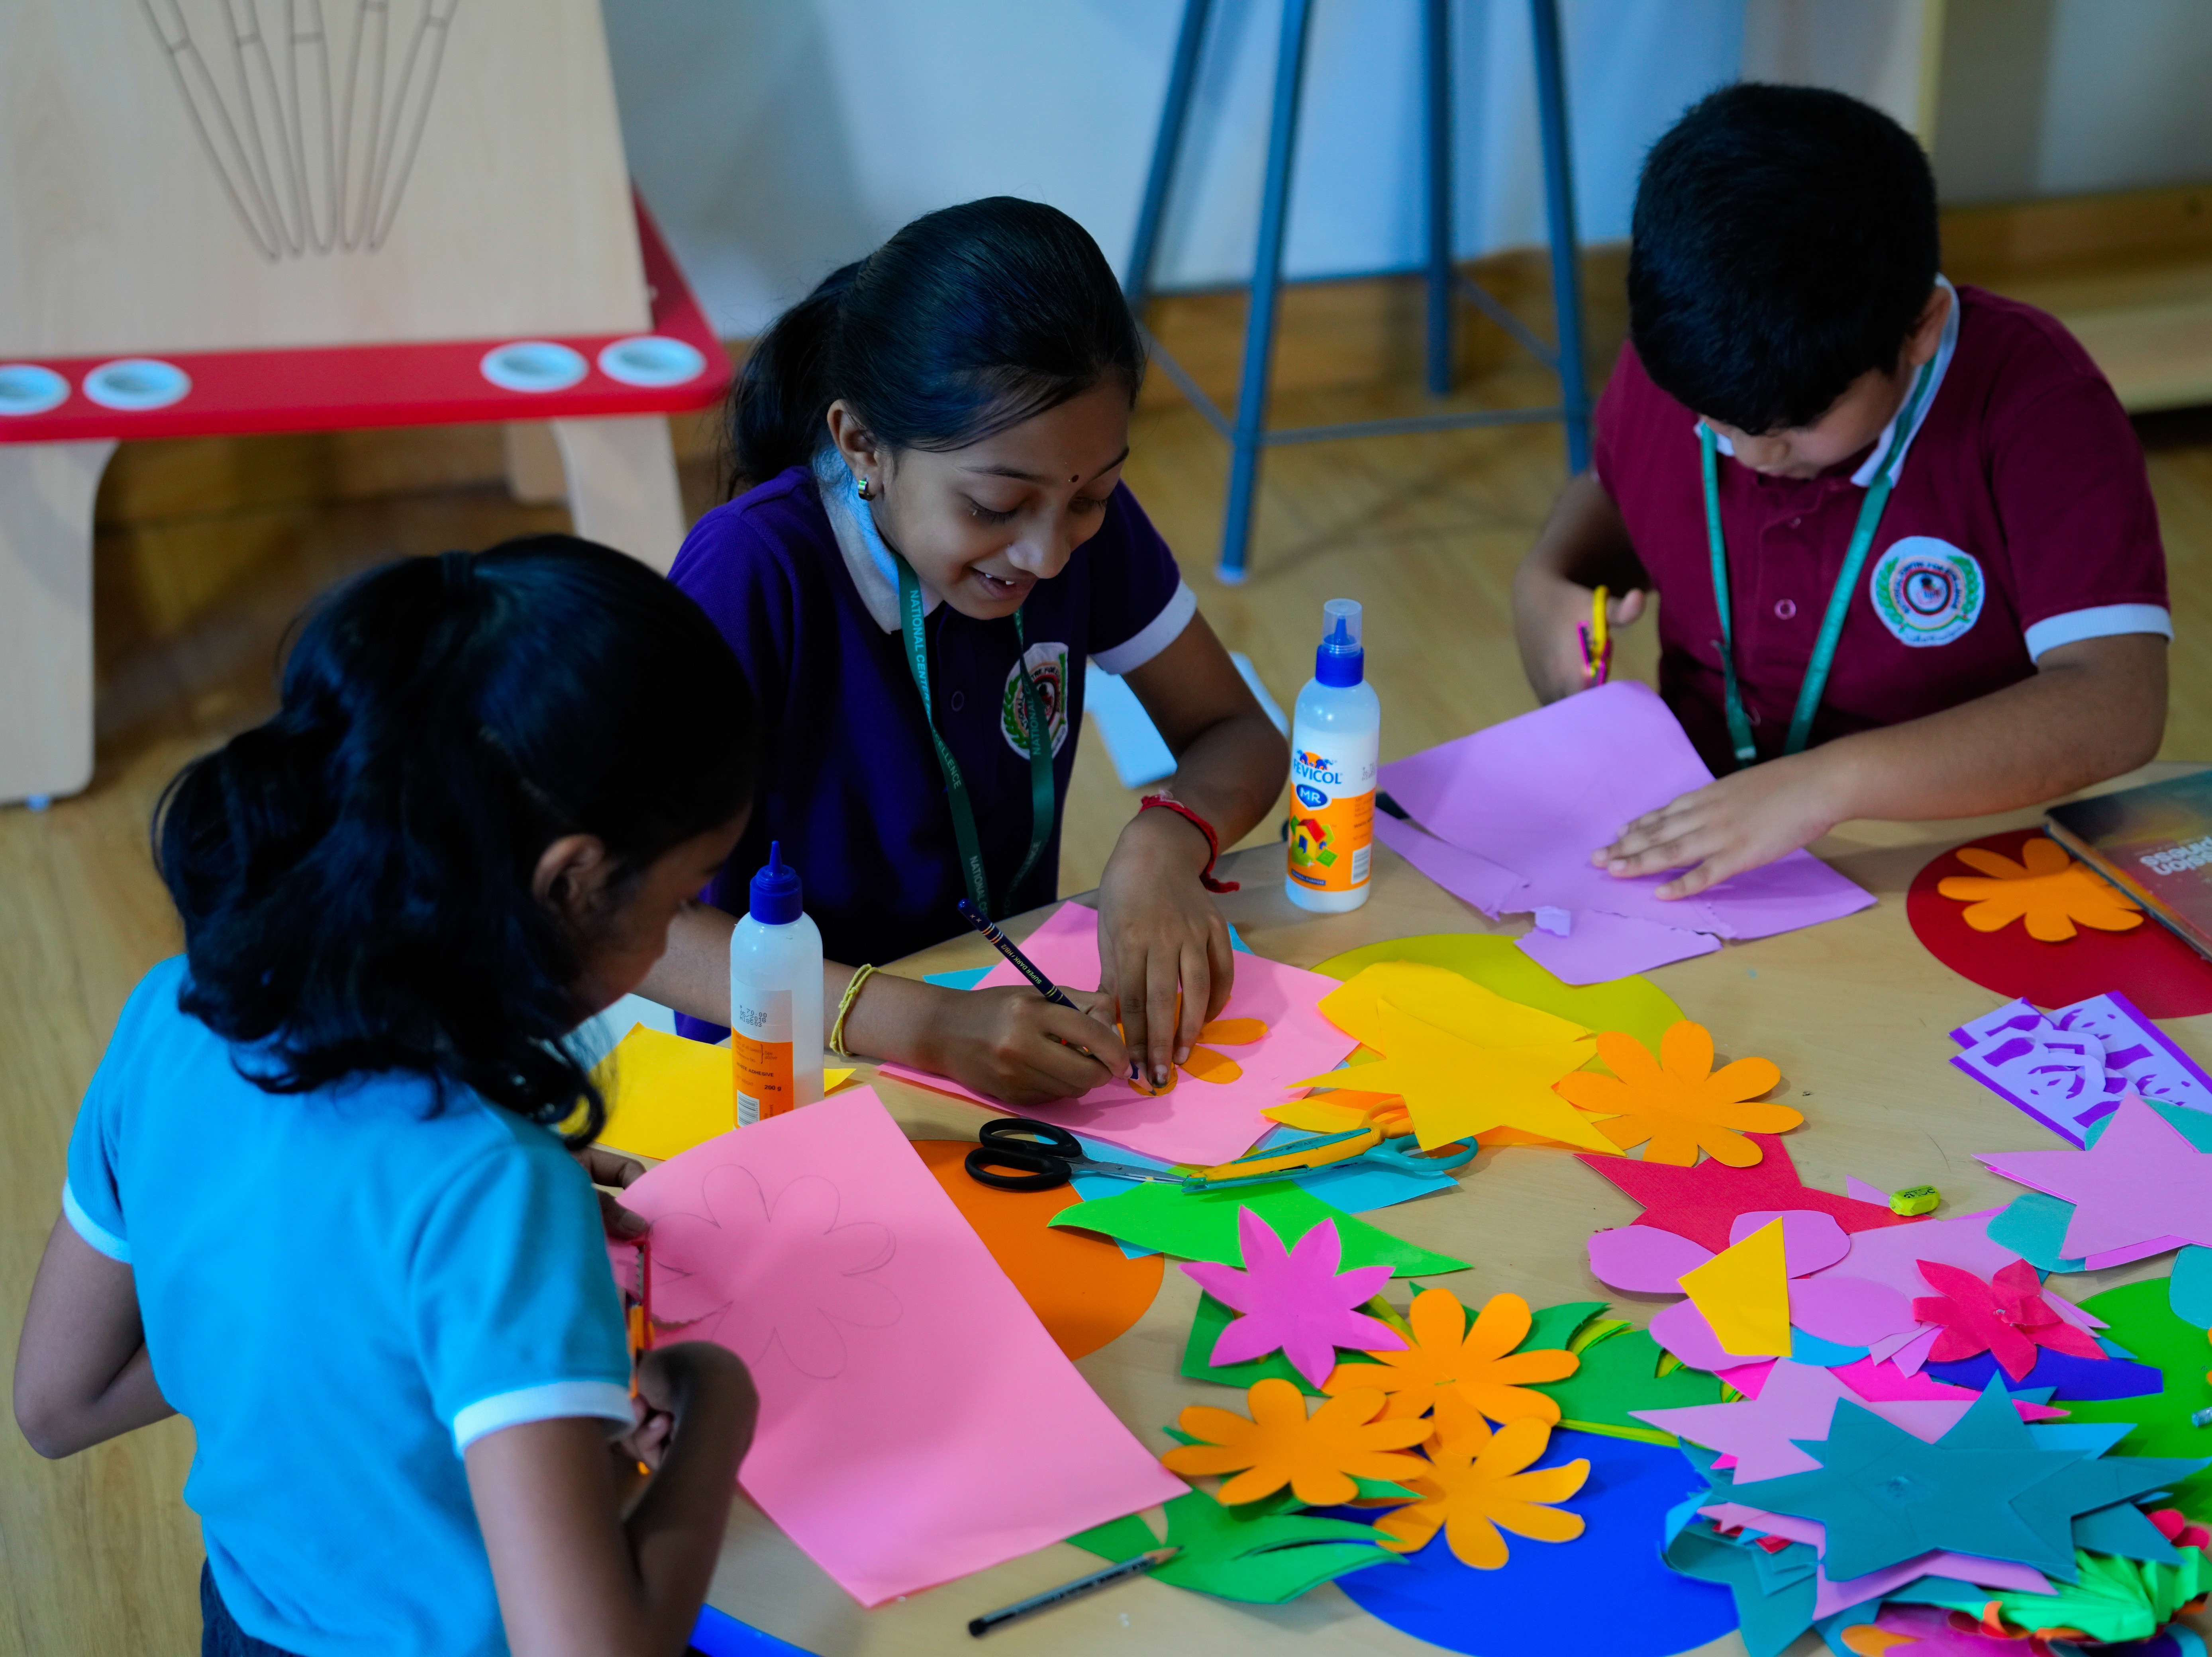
[1083, 1289]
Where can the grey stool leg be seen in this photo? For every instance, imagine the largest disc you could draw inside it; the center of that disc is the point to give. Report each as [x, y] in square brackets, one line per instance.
[1251, 432]
[1435, 53]
[1167, 148]
[1559, 205]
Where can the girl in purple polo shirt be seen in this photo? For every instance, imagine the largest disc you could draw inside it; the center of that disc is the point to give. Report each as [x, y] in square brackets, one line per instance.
[936, 540]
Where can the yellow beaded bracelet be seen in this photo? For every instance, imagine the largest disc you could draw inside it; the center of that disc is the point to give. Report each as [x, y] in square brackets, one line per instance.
[844, 1010]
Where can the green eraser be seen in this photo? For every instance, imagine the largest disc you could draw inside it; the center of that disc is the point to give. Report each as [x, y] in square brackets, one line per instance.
[1915, 1199]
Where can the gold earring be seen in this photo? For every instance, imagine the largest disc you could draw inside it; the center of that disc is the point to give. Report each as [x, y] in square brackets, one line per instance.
[863, 490]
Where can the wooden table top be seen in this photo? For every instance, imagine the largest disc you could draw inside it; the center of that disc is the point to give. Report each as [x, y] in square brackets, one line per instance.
[1855, 1012]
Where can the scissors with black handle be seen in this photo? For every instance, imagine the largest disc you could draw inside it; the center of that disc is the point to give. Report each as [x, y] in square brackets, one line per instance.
[1019, 1153]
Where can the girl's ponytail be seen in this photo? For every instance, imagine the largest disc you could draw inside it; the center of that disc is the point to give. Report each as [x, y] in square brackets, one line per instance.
[777, 405]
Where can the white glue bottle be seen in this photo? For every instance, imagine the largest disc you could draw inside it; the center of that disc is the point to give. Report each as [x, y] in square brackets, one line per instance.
[776, 999]
[1336, 738]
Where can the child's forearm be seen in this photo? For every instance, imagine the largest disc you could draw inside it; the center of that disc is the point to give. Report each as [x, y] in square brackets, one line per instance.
[1231, 774]
[82, 1375]
[675, 1531]
[129, 1402]
[2093, 710]
[693, 975]
[1584, 544]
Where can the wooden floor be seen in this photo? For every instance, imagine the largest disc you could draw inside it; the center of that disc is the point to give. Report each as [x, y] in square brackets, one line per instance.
[98, 1554]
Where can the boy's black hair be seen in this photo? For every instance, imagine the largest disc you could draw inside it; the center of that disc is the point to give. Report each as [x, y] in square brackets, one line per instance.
[1783, 243]
[969, 320]
[354, 875]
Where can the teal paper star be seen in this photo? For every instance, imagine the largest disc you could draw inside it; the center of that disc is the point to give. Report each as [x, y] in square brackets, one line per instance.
[1986, 1487]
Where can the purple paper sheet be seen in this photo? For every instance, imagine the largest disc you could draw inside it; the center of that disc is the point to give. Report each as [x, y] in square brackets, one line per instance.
[1535, 796]
[1600, 947]
[2072, 1066]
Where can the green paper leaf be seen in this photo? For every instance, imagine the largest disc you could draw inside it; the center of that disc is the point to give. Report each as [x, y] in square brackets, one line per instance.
[2141, 1319]
[1620, 1373]
[1553, 1328]
[1201, 1225]
[1205, 1328]
[1261, 1553]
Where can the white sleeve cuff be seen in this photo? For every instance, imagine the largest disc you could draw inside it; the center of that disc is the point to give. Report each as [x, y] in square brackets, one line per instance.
[1162, 630]
[555, 1400]
[95, 1235]
[2105, 621]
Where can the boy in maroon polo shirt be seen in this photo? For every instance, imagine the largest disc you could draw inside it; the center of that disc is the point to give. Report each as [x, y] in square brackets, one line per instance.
[1938, 480]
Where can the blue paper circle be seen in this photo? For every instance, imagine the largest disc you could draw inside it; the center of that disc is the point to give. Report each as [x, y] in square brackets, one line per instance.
[1605, 1594]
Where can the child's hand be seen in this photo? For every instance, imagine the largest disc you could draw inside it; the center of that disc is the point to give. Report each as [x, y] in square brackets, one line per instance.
[611, 1168]
[1163, 954]
[650, 1432]
[1012, 1045]
[1745, 819]
[1547, 609]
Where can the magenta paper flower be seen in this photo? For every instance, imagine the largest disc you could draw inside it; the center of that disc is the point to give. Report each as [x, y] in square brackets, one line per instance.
[1298, 1303]
[2006, 1317]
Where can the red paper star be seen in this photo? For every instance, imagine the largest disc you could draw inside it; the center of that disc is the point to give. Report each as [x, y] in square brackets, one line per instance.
[2006, 1317]
[1700, 1203]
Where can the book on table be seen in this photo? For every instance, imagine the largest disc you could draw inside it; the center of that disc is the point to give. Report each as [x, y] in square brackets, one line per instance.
[2154, 843]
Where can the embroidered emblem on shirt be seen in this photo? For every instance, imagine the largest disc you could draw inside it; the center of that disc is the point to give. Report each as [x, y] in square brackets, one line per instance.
[1927, 592]
[1046, 663]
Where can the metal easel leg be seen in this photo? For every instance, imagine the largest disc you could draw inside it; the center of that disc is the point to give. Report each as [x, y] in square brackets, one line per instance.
[1250, 434]
[1167, 148]
[1559, 204]
[1436, 51]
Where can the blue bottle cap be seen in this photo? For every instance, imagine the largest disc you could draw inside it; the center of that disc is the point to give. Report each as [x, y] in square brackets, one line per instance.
[776, 897]
[1341, 660]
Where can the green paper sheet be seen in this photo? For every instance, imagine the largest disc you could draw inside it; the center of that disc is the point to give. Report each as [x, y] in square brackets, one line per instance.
[1261, 1553]
[1201, 1225]
[1620, 1373]
[2115, 1598]
[1552, 1329]
[2142, 1321]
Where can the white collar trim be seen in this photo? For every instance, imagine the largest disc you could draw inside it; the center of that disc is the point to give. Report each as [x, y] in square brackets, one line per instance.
[1866, 474]
[867, 560]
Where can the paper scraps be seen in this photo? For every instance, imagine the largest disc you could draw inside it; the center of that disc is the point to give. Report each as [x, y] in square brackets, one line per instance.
[1478, 1362]
[1318, 1456]
[1202, 1225]
[826, 1244]
[1702, 1203]
[1507, 818]
[1261, 1553]
[1793, 1402]
[2047, 888]
[1619, 1374]
[1678, 1103]
[1199, 1124]
[1479, 1483]
[2006, 1317]
[2141, 1179]
[1990, 1486]
[1294, 1301]
[1748, 1298]
[1455, 1089]
[2072, 1066]
[2141, 1318]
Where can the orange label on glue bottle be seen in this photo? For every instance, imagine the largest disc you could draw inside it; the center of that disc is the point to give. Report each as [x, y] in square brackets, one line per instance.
[760, 1055]
[1332, 820]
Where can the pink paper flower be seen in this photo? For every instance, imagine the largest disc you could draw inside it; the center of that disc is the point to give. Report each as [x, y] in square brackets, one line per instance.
[2006, 1317]
[1298, 1303]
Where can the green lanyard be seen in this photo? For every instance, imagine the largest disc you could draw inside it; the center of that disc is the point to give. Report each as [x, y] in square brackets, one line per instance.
[1043, 802]
[1839, 601]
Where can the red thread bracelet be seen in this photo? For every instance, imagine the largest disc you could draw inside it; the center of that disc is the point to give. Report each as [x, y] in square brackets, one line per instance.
[1212, 840]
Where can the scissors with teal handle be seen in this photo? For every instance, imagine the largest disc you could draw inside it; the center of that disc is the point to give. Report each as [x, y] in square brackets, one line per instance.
[1365, 1145]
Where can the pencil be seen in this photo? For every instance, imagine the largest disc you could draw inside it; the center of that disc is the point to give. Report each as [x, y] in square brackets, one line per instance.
[980, 1626]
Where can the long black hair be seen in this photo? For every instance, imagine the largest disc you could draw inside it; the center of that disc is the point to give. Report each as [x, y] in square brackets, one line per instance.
[354, 875]
[971, 319]
[1783, 243]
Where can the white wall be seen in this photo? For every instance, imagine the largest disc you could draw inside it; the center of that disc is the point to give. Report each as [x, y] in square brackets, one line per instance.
[777, 138]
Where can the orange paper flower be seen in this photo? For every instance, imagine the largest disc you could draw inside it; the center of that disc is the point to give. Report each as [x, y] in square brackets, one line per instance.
[1205, 1065]
[1476, 1484]
[1477, 1364]
[1318, 1456]
[2048, 888]
[1680, 1102]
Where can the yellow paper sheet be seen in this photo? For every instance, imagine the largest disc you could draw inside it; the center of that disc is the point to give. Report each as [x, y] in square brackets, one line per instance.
[1451, 1002]
[1634, 1005]
[665, 1093]
[1744, 1293]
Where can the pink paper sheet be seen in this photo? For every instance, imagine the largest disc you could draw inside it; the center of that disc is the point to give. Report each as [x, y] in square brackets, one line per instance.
[892, 1356]
[1201, 1122]
[1537, 795]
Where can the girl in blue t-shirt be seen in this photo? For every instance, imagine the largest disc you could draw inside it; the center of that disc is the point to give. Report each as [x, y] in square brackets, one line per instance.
[936, 540]
[318, 1201]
